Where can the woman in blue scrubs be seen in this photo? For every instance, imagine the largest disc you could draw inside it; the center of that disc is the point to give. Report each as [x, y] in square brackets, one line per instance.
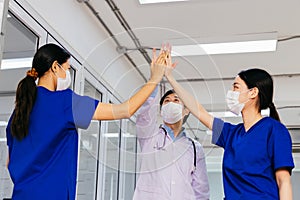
[257, 160]
[42, 134]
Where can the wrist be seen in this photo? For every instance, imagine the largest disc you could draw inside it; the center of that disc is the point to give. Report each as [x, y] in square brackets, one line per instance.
[170, 77]
[153, 81]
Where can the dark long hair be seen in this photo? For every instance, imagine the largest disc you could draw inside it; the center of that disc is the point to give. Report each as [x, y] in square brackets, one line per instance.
[26, 90]
[263, 81]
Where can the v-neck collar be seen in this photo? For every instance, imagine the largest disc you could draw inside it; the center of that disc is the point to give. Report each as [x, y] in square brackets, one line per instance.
[253, 126]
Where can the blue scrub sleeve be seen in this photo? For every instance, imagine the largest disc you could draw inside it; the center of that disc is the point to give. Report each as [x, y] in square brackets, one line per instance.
[220, 132]
[217, 130]
[282, 148]
[83, 109]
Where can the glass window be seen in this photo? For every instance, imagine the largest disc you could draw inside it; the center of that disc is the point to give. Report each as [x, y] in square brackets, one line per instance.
[20, 44]
[88, 153]
[6, 107]
[110, 160]
[128, 161]
[3, 14]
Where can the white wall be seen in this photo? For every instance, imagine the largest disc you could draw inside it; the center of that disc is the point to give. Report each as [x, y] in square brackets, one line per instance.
[84, 35]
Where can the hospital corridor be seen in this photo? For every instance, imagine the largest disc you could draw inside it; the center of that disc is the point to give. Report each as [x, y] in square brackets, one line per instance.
[100, 148]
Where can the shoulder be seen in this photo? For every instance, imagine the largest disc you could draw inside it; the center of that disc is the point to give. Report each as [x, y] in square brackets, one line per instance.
[275, 128]
[273, 124]
[43, 90]
[197, 144]
[68, 92]
[198, 148]
[220, 124]
[68, 96]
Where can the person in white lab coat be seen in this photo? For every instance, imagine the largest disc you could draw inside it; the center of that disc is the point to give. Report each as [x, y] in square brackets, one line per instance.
[172, 164]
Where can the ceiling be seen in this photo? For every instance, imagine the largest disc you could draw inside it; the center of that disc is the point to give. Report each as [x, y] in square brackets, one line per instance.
[209, 77]
[206, 77]
[191, 21]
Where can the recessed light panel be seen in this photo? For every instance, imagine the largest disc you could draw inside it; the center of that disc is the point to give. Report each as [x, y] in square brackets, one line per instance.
[225, 48]
[158, 1]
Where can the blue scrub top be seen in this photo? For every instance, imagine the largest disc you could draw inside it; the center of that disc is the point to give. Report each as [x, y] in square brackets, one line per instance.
[43, 165]
[251, 158]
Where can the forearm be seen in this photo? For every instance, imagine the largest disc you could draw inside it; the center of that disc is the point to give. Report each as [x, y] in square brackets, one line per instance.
[283, 179]
[129, 107]
[137, 100]
[285, 190]
[191, 103]
[105, 111]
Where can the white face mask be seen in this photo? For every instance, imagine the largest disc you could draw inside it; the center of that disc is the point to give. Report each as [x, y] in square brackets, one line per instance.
[232, 99]
[171, 112]
[63, 83]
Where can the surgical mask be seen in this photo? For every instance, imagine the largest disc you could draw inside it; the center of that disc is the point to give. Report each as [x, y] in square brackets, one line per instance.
[63, 83]
[232, 100]
[171, 112]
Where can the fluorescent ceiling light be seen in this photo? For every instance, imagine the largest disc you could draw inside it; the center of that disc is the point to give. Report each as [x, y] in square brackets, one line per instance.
[16, 63]
[225, 48]
[158, 1]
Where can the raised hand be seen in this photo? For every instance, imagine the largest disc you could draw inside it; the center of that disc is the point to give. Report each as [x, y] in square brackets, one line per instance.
[170, 66]
[158, 66]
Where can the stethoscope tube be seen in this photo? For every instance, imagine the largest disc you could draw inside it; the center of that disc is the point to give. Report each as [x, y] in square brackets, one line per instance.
[164, 143]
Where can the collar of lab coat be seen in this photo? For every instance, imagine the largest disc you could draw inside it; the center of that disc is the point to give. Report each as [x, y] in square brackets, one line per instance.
[171, 133]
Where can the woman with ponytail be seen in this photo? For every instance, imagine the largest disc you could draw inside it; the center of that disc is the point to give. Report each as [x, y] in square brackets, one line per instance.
[26, 93]
[42, 134]
[257, 161]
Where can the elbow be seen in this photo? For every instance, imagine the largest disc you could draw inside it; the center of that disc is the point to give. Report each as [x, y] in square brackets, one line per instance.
[127, 115]
[284, 182]
[283, 177]
[128, 111]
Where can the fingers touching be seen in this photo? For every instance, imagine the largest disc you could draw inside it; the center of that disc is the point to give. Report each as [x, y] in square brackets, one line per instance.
[164, 57]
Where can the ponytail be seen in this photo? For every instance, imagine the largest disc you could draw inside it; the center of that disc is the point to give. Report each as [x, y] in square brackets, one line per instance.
[273, 112]
[25, 98]
[263, 81]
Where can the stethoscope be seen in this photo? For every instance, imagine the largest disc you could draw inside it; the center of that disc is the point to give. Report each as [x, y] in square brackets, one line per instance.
[162, 147]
